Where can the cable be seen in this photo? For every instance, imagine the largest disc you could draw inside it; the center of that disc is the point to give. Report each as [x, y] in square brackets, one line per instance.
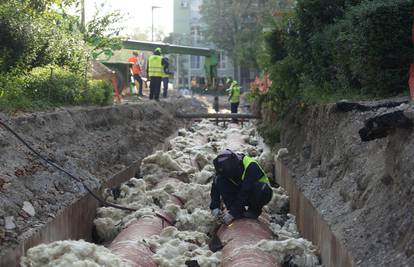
[50, 162]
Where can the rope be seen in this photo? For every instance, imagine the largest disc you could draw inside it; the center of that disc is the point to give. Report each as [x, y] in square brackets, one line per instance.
[50, 162]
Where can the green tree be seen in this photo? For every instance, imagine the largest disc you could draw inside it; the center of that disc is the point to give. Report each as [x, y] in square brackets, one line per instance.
[237, 26]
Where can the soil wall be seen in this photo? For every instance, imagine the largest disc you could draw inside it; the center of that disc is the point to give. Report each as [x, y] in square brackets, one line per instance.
[93, 143]
[364, 191]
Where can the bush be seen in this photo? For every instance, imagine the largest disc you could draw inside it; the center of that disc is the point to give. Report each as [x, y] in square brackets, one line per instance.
[98, 92]
[340, 49]
[54, 85]
[50, 86]
[12, 93]
[376, 48]
[32, 39]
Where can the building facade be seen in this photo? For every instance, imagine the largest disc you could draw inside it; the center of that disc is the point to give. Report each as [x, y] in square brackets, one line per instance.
[188, 28]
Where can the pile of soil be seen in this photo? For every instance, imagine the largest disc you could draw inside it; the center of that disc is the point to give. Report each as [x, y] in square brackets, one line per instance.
[363, 189]
[93, 143]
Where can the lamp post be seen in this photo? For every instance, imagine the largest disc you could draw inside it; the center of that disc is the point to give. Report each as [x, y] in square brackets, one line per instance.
[152, 22]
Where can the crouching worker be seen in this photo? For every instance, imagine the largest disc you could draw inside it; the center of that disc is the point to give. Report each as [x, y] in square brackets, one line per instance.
[240, 182]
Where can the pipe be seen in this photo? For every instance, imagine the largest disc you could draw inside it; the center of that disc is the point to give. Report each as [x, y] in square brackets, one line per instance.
[127, 244]
[245, 232]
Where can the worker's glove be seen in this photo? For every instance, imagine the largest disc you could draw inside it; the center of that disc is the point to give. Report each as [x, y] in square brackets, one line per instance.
[216, 213]
[228, 218]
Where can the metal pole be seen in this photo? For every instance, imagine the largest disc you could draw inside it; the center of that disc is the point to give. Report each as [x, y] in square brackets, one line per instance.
[189, 74]
[152, 24]
[82, 15]
[177, 75]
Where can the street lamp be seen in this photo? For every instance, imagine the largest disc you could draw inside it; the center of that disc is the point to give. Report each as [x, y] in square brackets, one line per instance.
[152, 24]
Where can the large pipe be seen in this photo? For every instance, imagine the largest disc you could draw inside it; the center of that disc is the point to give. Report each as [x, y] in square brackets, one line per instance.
[127, 244]
[245, 232]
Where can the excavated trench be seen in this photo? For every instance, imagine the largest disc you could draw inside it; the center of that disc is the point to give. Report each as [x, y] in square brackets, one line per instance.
[172, 225]
[273, 239]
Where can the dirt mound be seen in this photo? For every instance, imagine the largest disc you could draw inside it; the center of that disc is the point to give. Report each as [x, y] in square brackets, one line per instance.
[364, 190]
[93, 143]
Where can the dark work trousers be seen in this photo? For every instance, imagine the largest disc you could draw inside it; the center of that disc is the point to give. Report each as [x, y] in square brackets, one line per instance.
[139, 80]
[165, 81]
[155, 88]
[233, 108]
[259, 195]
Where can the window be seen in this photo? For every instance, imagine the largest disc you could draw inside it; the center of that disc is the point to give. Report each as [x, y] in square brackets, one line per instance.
[222, 60]
[196, 35]
[184, 4]
[195, 62]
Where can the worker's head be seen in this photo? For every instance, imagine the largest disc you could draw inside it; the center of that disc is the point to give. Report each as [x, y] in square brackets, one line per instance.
[135, 53]
[229, 80]
[228, 164]
[157, 51]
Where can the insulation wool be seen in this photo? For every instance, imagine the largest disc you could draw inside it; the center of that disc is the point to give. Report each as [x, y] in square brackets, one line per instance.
[71, 253]
[279, 201]
[133, 194]
[287, 230]
[194, 195]
[199, 220]
[303, 251]
[265, 160]
[174, 248]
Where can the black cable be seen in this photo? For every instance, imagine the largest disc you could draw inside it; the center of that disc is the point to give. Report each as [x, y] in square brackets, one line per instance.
[49, 161]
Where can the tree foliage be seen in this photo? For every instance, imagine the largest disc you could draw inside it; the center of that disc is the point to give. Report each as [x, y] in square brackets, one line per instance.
[236, 26]
[332, 49]
[44, 53]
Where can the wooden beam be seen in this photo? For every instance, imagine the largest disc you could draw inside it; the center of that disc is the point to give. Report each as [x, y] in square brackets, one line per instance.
[216, 116]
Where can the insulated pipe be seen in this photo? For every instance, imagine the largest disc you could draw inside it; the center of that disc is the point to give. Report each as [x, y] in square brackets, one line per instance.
[128, 246]
[245, 232]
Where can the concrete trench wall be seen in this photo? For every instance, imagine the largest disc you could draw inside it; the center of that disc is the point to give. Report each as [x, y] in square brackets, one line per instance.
[311, 224]
[74, 222]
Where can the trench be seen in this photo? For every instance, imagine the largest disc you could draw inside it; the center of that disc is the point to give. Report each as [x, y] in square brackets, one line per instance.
[76, 222]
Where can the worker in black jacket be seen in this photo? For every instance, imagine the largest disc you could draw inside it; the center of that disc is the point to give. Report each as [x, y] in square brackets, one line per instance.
[240, 182]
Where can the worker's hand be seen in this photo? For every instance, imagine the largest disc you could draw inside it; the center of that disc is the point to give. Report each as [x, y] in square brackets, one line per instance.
[228, 218]
[216, 213]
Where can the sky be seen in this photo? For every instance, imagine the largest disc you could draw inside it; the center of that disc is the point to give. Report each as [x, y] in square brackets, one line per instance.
[137, 13]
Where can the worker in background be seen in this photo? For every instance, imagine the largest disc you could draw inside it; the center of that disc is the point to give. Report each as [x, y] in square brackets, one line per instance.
[234, 96]
[239, 182]
[166, 76]
[155, 71]
[135, 70]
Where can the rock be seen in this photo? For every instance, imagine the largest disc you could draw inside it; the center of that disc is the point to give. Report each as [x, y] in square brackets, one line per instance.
[9, 223]
[409, 113]
[28, 208]
[281, 152]
[253, 141]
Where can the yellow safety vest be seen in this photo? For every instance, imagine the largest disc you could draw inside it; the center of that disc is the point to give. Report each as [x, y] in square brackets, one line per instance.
[246, 162]
[235, 93]
[155, 68]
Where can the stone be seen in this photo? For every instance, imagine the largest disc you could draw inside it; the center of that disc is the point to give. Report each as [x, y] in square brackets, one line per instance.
[9, 223]
[28, 208]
